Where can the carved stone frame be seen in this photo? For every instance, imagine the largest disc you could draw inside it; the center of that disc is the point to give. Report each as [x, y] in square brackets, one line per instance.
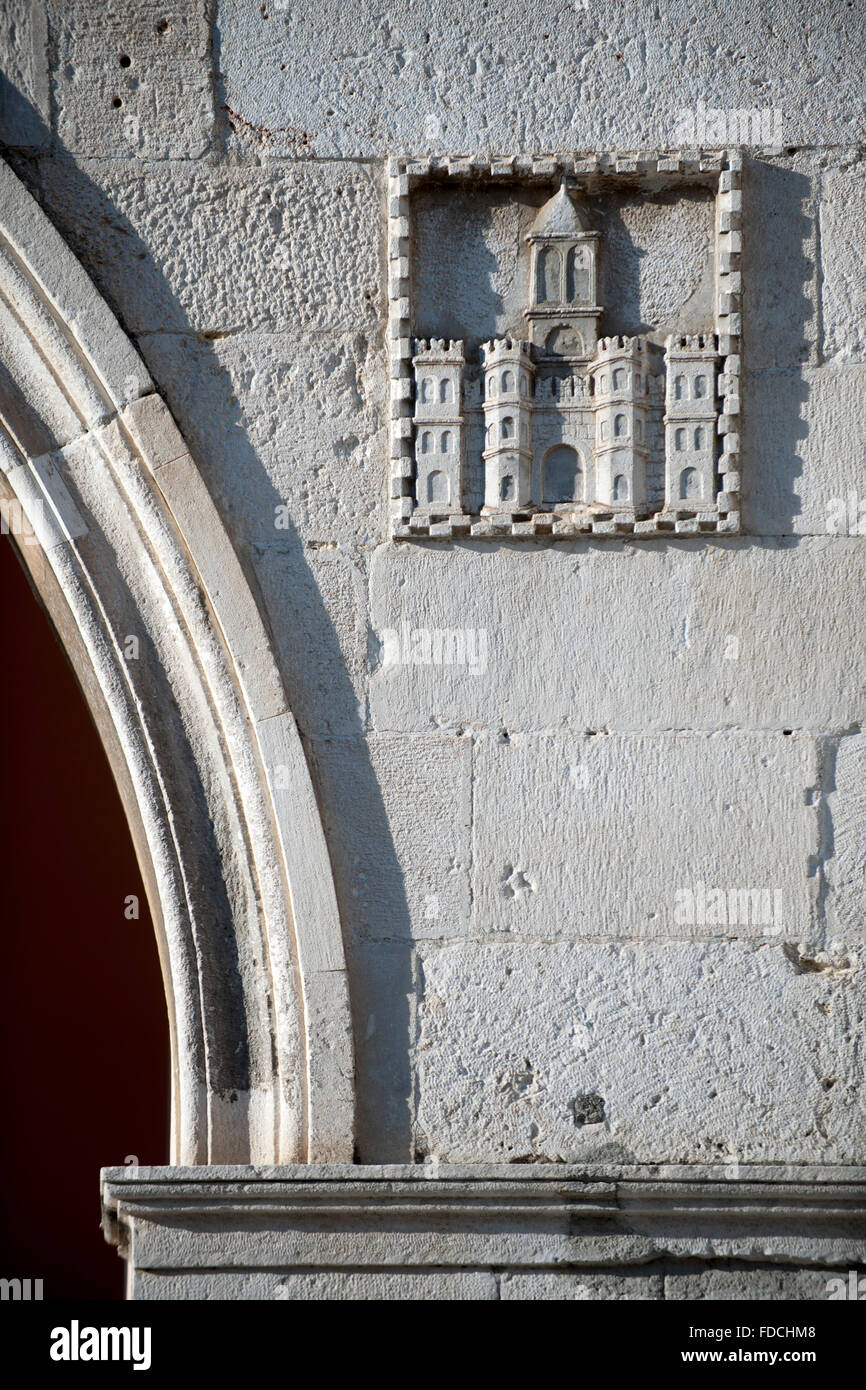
[720, 170]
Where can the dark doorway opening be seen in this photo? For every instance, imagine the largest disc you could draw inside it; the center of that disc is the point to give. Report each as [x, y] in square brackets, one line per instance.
[83, 1025]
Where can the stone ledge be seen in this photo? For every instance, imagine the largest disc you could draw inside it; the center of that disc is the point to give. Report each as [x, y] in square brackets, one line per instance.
[183, 1224]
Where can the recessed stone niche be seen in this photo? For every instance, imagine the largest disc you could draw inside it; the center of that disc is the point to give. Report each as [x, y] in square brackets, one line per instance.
[565, 346]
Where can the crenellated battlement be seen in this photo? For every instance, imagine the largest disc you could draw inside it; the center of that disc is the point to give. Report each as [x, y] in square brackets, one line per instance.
[439, 350]
[502, 349]
[620, 346]
[692, 344]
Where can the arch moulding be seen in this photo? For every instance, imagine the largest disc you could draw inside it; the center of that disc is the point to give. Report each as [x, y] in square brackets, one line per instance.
[131, 560]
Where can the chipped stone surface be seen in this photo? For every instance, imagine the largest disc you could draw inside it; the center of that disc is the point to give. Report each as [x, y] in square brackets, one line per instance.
[686, 1043]
[303, 252]
[133, 80]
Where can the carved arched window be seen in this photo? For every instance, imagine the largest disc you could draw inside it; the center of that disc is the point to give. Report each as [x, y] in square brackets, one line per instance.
[426, 442]
[638, 428]
[680, 441]
[446, 390]
[680, 393]
[700, 387]
[427, 390]
[438, 487]
[562, 476]
[620, 488]
[508, 381]
[578, 275]
[506, 490]
[445, 442]
[620, 426]
[548, 276]
[492, 388]
[604, 429]
[619, 380]
[690, 484]
[508, 427]
[700, 438]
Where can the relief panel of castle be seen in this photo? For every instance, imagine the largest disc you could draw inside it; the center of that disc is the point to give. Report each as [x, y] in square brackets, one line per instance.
[581, 415]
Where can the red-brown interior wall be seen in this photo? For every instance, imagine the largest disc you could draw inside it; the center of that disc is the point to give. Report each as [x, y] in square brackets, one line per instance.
[83, 1025]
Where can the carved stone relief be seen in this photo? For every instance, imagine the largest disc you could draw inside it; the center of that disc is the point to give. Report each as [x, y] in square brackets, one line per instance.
[551, 427]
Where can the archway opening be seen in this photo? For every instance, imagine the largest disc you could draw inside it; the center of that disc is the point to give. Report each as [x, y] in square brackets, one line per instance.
[83, 1023]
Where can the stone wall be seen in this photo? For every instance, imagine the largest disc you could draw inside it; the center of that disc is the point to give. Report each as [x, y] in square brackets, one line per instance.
[519, 839]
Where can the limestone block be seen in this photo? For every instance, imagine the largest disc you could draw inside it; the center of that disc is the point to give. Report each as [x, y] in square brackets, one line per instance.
[25, 99]
[133, 80]
[705, 1050]
[180, 246]
[757, 1285]
[846, 869]
[614, 636]
[806, 440]
[301, 1286]
[446, 80]
[842, 232]
[612, 835]
[290, 435]
[315, 603]
[397, 811]
[580, 1286]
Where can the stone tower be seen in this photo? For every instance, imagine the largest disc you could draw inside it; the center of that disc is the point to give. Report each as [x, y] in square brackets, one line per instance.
[509, 375]
[438, 366]
[690, 422]
[563, 314]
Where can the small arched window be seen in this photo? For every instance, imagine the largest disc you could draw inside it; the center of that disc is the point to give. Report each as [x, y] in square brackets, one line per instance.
[506, 490]
[438, 487]
[700, 387]
[620, 488]
[700, 438]
[426, 442]
[445, 442]
[562, 476]
[492, 387]
[548, 276]
[638, 428]
[604, 429]
[427, 390]
[680, 388]
[508, 427]
[620, 426]
[578, 276]
[446, 390]
[524, 384]
[508, 381]
[637, 381]
[680, 441]
[619, 380]
[690, 485]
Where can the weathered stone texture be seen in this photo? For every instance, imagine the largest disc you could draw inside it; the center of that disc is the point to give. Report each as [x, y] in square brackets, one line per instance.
[685, 1045]
[303, 253]
[617, 636]
[448, 79]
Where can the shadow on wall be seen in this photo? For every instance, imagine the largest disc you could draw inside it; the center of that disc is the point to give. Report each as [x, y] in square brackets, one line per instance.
[778, 271]
[313, 664]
